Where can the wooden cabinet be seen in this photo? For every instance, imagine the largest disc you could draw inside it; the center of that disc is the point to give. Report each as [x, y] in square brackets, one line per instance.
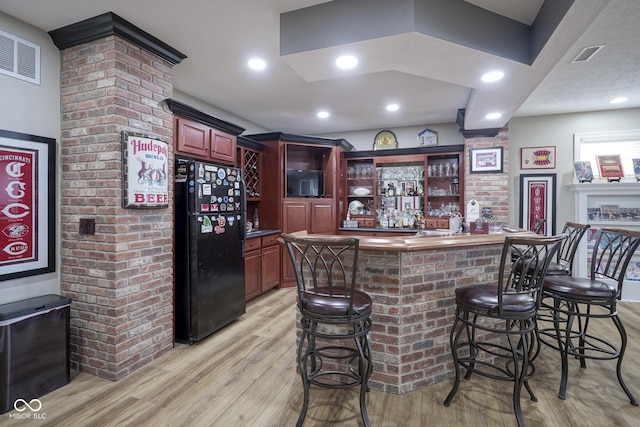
[405, 188]
[198, 140]
[316, 216]
[262, 265]
[201, 136]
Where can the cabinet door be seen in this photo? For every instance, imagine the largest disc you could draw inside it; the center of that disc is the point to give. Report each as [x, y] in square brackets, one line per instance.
[270, 267]
[252, 272]
[323, 218]
[223, 147]
[295, 216]
[193, 138]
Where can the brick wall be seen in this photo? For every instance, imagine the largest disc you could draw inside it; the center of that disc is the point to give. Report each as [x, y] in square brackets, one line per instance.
[489, 189]
[120, 279]
[414, 307]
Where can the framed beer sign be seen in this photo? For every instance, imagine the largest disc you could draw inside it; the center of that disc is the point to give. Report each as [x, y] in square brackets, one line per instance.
[27, 205]
[145, 168]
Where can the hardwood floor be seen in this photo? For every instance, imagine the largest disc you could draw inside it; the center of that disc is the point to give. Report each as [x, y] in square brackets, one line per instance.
[245, 375]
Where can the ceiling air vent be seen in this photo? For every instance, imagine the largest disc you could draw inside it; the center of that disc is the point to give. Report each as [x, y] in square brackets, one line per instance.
[587, 53]
[19, 58]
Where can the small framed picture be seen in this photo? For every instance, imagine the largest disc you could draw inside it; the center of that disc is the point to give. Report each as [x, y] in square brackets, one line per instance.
[610, 167]
[427, 138]
[584, 173]
[485, 160]
[636, 168]
[538, 157]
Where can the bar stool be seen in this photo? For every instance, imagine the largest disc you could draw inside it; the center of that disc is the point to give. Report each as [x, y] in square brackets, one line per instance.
[537, 225]
[333, 312]
[578, 300]
[563, 264]
[495, 324]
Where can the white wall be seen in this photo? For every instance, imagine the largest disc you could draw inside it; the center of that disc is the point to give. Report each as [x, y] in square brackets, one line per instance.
[33, 109]
[221, 114]
[558, 130]
[407, 137]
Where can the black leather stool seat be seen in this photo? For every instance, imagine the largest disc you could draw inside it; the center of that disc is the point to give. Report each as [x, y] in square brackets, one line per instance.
[337, 304]
[557, 269]
[581, 287]
[485, 298]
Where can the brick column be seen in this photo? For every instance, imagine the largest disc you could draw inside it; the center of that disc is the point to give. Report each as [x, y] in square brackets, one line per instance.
[120, 279]
[489, 189]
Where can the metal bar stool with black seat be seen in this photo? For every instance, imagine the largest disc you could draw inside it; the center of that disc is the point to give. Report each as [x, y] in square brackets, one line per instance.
[563, 263]
[495, 324]
[575, 301]
[333, 313]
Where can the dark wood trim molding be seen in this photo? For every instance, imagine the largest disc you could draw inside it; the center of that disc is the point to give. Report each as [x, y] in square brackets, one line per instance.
[109, 24]
[474, 133]
[303, 139]
[183, 110]
[249, 143]
[457, 148]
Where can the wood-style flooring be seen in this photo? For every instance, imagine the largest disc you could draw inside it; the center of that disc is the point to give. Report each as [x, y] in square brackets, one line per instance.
[245, 375]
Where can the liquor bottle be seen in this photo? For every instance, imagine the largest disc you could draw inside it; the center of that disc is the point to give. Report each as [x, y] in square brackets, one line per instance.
[256, 220]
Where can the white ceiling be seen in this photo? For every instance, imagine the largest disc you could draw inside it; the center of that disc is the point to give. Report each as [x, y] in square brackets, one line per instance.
[430, 78]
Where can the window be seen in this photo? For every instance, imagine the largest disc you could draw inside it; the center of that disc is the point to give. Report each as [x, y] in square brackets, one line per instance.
[626, 143]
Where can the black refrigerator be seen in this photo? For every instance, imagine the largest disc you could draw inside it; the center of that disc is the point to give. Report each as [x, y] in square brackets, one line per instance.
[210, 216]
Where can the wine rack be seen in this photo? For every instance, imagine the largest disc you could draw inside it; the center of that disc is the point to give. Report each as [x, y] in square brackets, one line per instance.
[252, 174]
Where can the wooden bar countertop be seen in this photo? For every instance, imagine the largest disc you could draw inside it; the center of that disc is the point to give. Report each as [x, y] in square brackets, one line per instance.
[442, 240]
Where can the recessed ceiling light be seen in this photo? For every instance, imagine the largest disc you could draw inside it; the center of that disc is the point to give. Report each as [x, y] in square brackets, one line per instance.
[493, 116]
[492, 76]
[346, 62]
[393, 107]
[618, 100]
[323, 114]
[257, 64]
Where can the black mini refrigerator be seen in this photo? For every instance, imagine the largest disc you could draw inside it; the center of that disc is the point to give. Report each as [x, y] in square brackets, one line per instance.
[209, 251]
[34, 344]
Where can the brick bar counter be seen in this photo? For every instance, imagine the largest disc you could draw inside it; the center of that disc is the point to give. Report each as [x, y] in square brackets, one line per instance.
[412, 282]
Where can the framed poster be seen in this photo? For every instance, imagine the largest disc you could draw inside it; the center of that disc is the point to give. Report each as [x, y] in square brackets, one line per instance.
[538, 200]
[27, 205]
[538, 157]
[485, 160]
[145, 166]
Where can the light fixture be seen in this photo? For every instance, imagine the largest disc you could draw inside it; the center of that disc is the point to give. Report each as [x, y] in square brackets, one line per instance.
[492, 76]
[393, 107]
[323, 114]
[493, 116]
[618, 100]
[257, 64]
[346, 62]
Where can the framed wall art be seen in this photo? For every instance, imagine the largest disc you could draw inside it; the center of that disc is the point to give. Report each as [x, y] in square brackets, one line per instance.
[427, 138]
[145, 167]
[385, 140]
[538, 157]
[485, 160]
[610, 167]
[27, 205]
[538, 200]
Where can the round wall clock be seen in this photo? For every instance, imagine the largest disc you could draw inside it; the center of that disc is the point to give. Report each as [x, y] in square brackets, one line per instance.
[385, 140]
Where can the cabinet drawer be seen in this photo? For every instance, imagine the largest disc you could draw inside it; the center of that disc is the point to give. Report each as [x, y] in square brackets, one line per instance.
[251, 244]
[443, 223]
[269, 240]
[431, 223]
